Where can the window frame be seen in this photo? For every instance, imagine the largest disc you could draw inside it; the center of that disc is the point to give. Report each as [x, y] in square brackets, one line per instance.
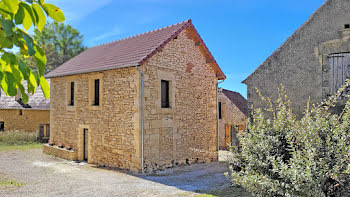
[165, 104]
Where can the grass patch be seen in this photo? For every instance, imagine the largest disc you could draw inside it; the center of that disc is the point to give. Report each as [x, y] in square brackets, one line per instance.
[227, 192]
[18, 138]
[19, 147]
[9, 183]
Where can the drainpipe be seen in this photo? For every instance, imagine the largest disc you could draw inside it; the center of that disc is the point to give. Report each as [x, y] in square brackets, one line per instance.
[142, 118]
[217, 113]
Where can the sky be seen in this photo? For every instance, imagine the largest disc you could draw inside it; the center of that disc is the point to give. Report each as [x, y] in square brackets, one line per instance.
[239, 34]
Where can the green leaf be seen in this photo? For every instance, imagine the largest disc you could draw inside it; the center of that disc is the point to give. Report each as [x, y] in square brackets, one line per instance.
[41, 18]
[28, 18]
[8, 26]
[19, 17]
[29, 42]
[29, 12]
[5, 42]
[45, 87]
[23, 93]
[8, 84]
[11, 5]
[41, 2]
[54, 12]
[40, 59]
[29, 76]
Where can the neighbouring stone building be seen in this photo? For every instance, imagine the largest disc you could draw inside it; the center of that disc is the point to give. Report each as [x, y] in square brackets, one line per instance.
[313, 62]
[15, 115]
[233, 113]
[147, 102]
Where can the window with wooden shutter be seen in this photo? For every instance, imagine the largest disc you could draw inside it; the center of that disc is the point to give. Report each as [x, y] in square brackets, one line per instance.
[97, 92]
[165, 97]
[338, 71]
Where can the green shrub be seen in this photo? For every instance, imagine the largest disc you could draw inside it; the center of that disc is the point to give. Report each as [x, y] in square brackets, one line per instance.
[17, 138]
[281, 155]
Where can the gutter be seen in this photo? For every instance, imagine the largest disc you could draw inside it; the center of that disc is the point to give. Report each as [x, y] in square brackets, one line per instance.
[217, 114]
[142, 118]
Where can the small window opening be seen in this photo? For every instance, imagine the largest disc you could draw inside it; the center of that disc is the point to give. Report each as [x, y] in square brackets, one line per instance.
[220, 111]
[71, 102]
[347, 26]
[2, 126]
[97, 92]
[165, 97]
[20, 112]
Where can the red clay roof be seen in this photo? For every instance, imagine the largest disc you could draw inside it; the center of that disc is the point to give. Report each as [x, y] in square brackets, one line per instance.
[127, 52]
[238, 100]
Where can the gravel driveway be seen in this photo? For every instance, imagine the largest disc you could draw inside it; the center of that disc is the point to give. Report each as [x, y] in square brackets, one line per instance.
[46, 175]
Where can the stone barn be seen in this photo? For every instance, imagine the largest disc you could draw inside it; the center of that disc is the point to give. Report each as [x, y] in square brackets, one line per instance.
[30, 117]
[233, 113]
[313, 62]
[143, 103]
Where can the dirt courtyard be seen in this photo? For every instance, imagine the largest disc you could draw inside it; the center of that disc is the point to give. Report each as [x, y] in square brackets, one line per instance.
[45, 175]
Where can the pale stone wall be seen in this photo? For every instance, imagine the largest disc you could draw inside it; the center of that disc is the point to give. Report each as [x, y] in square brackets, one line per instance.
[230, 115]
[29, 121]
[60, 152]
[185, 133]
[113, 127]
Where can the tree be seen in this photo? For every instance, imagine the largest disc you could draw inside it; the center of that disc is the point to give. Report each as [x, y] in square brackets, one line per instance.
[284, 156]
[60, 42]
[15, 14]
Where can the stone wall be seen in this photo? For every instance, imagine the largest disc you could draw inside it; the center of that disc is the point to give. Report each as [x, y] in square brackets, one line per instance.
[60, 152]
[113, 127]
[29, 121]
[231, 115]
[186, 132]
[298, 63]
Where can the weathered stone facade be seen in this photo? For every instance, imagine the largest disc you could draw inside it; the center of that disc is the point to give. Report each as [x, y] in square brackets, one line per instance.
[182, 134]
[231, 115]
[301, 63]
[29, 121]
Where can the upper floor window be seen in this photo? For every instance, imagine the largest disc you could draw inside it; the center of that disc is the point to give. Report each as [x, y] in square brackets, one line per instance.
[165, 94]
[220, 110]
[71, 97]
[339, 71]
[97, 92]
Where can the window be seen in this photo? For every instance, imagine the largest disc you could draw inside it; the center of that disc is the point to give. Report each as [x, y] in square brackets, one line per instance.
[97, 92]
[2, 126]
[165, 97]
[339, 71]
[20, 112]
[220, 111]
[71, 100]
[347, 26]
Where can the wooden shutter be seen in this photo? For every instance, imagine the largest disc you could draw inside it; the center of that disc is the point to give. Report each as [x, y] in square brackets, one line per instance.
[338, 71]
[165, 94]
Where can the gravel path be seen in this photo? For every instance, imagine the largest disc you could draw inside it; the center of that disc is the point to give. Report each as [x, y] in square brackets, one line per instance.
[46, 175]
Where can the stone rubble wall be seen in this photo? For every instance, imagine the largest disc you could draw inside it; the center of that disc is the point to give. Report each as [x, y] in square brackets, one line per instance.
[29, 121]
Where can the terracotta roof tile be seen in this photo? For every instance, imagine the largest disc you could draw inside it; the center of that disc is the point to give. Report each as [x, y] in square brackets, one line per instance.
[126, 52]
[238, 100]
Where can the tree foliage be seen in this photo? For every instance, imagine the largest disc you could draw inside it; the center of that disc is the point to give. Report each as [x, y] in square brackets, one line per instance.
[281, 155]
[16, 18]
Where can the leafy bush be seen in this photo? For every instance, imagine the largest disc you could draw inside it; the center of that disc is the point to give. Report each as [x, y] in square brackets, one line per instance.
[17, 138]
[281, 155]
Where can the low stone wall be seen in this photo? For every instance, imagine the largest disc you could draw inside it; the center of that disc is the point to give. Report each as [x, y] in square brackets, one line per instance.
[60, 152]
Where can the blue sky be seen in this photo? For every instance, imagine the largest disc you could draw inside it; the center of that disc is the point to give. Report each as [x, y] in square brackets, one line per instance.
[239, 34]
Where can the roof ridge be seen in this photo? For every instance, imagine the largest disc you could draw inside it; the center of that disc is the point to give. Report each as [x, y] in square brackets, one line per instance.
[230, 91]
[126, 38]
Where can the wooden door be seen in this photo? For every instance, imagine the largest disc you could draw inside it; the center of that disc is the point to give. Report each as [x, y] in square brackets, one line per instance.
[86, 144]
[338, 71]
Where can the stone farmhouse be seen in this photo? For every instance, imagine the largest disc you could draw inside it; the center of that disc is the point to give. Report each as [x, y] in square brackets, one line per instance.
[313, 62]
[143, 103]
[233, 113]
[30, 117]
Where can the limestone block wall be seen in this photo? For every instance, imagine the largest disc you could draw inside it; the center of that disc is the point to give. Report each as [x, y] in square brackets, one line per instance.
[113, 127]
[186, 132]
[230, 115]
[29, 121]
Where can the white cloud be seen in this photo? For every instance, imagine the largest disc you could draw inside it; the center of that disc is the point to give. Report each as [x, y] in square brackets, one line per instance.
[115, 31]
[75, 10]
